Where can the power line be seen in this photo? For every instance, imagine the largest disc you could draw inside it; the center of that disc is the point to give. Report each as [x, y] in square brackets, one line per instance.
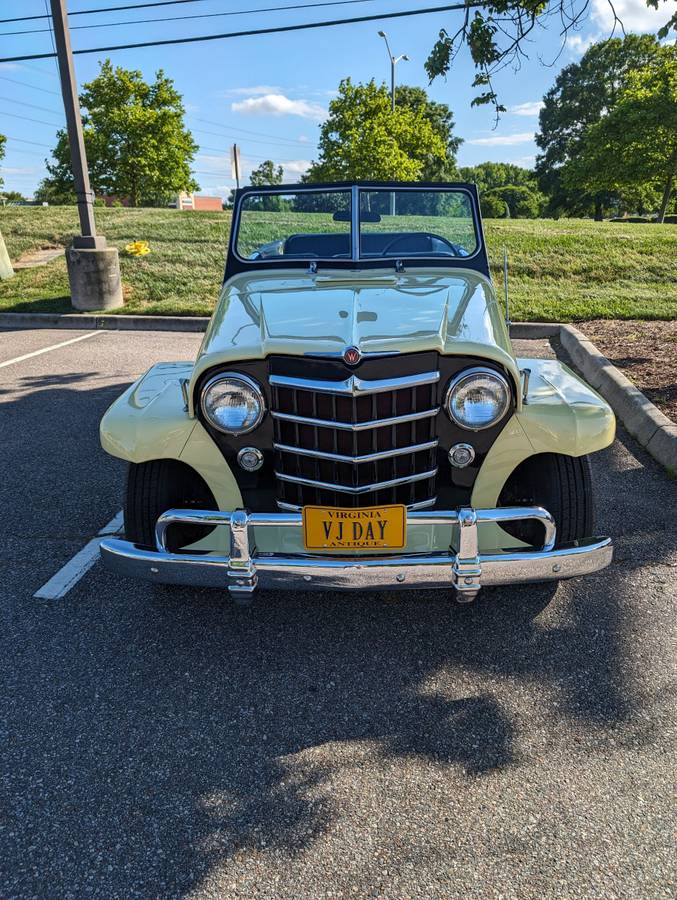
[330, 23]
[251, 140]
[232, 12]
[272, 137]
[26, 84]
[87, 12]
[32, 106]
[28, 119]
[24, 141]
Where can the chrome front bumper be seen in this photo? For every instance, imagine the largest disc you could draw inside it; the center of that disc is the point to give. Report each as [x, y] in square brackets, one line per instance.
[465, 570]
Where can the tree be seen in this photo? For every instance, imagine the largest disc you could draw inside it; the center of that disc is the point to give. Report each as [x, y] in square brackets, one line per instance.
[582, 93]
[493, 207]
[497, 34]
[12, 197]
[441, 118]
[267, 173]
[363, 138]
[136, 142]
[490, 175]
[521, 202]
[633, 148]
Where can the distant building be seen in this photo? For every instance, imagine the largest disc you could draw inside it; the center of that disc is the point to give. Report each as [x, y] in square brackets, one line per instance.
[197, 202]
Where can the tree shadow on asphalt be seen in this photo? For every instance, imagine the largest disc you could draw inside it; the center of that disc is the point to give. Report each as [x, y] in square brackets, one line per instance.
[170, 732]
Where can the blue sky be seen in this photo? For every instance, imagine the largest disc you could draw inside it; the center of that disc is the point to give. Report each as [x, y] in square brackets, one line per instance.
[270, 93]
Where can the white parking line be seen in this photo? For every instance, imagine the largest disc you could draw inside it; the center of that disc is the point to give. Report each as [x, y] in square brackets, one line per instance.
[69, 575]
[18, 359]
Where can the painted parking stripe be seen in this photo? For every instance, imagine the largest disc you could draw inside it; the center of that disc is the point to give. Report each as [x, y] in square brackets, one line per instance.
[69, 575]
[18, 359]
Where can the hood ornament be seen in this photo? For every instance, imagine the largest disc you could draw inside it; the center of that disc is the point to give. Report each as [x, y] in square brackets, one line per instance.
[351, 356]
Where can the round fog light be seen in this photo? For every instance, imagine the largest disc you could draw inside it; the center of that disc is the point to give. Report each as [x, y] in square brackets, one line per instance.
[461, 455]
[250, 459]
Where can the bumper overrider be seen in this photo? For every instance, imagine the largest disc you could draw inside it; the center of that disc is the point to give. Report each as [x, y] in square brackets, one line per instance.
[466, 570]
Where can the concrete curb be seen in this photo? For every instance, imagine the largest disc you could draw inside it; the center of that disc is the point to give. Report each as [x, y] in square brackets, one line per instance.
[111, 323]
[654, 430]
[518, 330]
[533, 330]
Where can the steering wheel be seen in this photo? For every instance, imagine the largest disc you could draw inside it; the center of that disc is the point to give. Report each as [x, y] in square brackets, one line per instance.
[428, 234]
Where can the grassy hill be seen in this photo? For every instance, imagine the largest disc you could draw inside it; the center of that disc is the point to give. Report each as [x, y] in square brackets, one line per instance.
[569, 270]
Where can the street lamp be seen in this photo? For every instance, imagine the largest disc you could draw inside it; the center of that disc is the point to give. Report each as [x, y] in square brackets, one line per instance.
[393, 62]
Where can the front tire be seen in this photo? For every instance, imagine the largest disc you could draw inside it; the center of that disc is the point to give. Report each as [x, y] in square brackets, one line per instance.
[562, 485]
[153, 488]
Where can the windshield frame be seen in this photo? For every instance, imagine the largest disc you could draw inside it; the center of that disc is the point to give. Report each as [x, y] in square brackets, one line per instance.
[477, 260]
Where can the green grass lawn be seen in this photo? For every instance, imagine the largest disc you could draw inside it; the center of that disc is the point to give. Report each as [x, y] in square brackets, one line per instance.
[570, 270]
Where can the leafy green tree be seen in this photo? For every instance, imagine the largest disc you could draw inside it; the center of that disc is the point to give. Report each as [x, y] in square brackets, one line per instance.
[493, 207]
[583, 92]
[12, 197]
[633, 148]
[490, 175]
[497, 33]
[136, 142]
[441, 119]
[521, 202]
[363, 138]
[56, 191]
[267, 173]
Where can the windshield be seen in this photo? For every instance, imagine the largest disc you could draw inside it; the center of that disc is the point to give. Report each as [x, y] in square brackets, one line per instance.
[393, 224]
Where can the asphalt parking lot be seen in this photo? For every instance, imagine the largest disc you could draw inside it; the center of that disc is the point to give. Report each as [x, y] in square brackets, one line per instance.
[164, 743]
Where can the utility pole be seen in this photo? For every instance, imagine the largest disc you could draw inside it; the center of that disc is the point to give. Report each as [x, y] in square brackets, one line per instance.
[393, 62]
[93, 267]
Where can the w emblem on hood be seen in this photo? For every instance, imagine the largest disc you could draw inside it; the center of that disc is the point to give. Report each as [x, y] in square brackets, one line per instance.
[351, 356]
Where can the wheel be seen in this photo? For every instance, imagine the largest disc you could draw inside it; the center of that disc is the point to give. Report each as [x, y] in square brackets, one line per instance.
[562, 485]
[153, 488]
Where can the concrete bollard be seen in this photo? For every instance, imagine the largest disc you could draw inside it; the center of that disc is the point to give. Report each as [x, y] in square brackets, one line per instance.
[6, 270]
[94, 276]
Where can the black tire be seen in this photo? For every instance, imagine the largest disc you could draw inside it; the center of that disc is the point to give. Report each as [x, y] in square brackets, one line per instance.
[563, 486]
[153, 488]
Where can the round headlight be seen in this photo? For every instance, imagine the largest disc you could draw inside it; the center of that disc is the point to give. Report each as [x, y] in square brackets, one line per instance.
[477, 398]
[233, 403]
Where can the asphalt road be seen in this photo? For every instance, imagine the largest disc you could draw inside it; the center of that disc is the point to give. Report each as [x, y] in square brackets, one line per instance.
[164, 743]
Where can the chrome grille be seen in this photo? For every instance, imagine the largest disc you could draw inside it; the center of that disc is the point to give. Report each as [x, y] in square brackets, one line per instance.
[355, 442]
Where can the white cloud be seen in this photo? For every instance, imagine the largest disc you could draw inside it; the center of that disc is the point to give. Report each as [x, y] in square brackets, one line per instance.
[634, 14]
[9, 67]
[303, 139]
[20, 170]
[279, 105]
[296, 166]
[527, 161]
[532, 108]
[503, 140]
[256, 90]
[577, 44]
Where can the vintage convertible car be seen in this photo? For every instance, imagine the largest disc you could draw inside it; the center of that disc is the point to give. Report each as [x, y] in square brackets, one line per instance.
[356, 417]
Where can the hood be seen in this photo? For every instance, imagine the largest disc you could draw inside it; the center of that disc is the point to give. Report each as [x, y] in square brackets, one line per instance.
[300, 315]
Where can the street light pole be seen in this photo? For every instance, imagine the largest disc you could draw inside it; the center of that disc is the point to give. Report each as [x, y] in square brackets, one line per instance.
[93, 267]
[393, 62]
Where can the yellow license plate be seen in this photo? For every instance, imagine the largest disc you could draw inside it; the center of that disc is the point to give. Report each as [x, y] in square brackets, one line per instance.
[373, 528]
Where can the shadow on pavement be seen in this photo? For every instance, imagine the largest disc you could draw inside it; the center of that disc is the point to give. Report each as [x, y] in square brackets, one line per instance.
[151, 734]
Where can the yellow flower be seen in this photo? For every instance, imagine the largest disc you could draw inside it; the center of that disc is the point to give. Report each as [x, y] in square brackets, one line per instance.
[138, 248]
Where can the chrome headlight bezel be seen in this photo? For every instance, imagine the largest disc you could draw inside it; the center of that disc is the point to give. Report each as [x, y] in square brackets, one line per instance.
[468, 374]
[247, 382]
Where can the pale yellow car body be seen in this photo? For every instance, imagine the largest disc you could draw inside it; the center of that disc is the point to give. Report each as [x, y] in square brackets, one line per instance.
[296, 313]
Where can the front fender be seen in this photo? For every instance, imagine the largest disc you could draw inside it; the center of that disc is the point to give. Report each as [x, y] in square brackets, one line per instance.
[150, 421]
[562, 414]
